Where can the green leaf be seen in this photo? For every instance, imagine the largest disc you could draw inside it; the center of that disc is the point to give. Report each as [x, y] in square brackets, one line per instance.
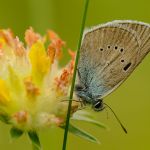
[89, 120]
[84, 113]
[15, 133]
[81, 133]
[35, 140]
[5, 118]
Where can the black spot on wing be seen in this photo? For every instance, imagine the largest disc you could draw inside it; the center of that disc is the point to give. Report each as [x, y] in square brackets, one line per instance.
[116, 47]
[121, 50]
[127, 66]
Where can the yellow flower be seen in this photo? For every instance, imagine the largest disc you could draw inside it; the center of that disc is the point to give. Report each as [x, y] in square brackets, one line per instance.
[32, 86]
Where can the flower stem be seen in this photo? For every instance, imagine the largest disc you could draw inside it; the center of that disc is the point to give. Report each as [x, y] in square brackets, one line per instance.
[74, 76]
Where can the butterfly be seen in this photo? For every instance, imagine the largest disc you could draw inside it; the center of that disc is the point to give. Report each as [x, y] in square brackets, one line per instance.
[109, 53]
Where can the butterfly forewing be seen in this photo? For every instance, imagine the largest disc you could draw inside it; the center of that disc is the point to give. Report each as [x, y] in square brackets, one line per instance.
[109, 54]
[143, 32]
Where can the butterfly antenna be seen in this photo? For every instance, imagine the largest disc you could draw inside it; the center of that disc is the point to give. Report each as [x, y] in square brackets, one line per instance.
[124, 129]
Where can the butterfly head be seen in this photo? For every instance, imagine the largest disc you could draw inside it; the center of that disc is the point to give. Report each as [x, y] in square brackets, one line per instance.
[87, 98]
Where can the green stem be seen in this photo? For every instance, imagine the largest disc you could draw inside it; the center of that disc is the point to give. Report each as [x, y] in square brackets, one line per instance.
[74, 76]
[34, 147]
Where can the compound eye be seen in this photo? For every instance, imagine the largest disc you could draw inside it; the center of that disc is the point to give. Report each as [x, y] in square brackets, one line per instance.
[98, 106]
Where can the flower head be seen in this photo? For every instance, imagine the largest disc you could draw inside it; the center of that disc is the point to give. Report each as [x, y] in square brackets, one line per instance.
[32, 86]
[34, 89]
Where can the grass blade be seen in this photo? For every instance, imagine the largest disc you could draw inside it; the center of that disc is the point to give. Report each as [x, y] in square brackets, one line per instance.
[74, 76]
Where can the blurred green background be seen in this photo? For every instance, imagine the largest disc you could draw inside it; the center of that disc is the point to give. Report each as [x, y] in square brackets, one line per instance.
[131, 101]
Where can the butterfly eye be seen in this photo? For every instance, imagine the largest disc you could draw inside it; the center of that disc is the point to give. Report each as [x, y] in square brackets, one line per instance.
[98, 106]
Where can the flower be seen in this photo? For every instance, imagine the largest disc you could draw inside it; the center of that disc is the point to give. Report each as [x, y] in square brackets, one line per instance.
[32, 86]
[34, 90]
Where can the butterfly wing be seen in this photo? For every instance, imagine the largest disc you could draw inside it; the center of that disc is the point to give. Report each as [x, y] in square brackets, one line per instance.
[109, 53]
[143, 33]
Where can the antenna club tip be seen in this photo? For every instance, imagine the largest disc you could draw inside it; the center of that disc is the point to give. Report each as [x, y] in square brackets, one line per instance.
[124, 129]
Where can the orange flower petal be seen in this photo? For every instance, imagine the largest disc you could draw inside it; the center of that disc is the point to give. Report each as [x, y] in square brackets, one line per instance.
[52, 35]
[31, 37]
[56, 43]
[8, 36]
[19, 48]
[21, 117]
[51, 53]
[31, 90]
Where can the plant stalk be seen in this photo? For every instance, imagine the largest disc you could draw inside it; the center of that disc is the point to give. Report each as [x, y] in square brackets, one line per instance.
[74, 75]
